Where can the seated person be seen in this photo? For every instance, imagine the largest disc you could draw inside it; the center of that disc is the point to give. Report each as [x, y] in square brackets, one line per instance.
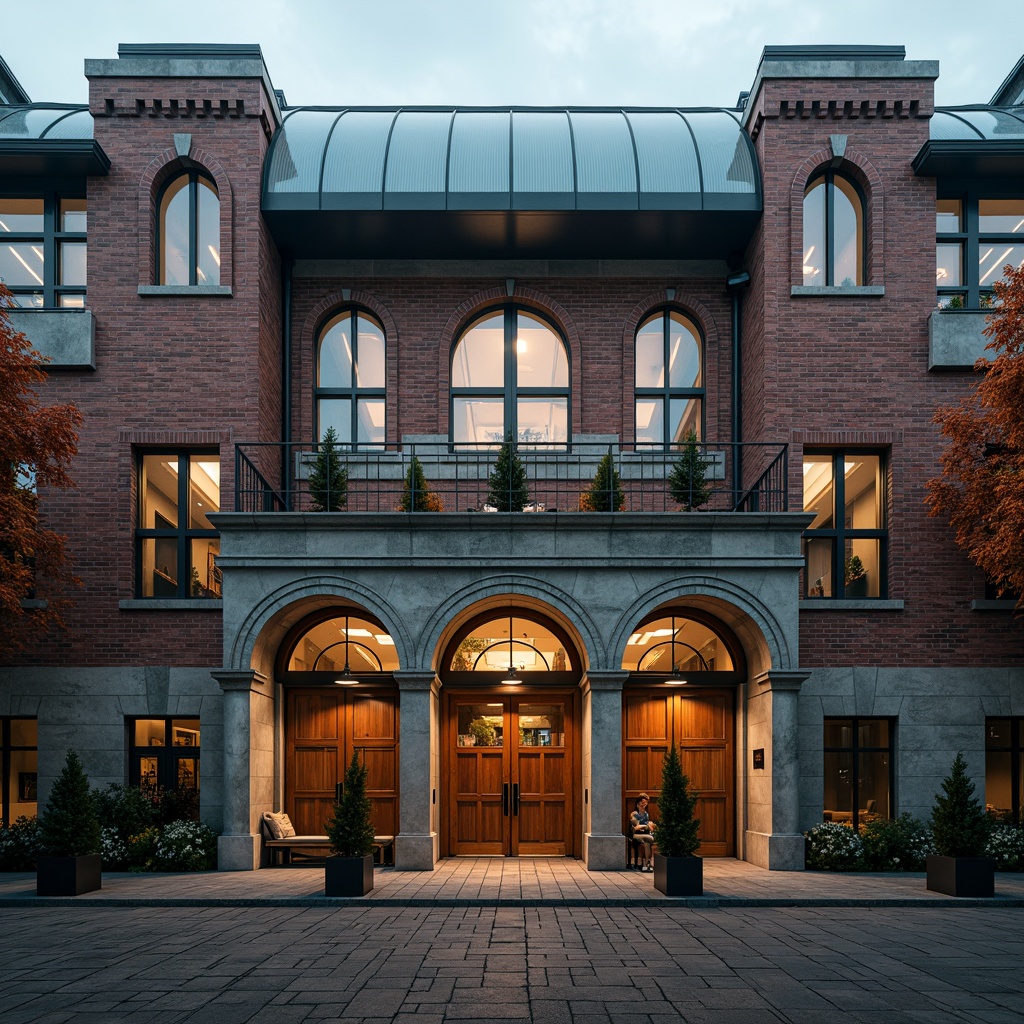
[640, 824]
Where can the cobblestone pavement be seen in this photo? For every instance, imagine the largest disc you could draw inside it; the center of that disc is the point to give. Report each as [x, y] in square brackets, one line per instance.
[579, 965]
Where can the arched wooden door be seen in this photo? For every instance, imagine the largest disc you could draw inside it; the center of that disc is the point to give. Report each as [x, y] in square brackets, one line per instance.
[701, 725]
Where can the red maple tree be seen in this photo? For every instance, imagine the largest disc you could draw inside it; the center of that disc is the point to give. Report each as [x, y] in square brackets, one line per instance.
[981, 489]
[37, 444]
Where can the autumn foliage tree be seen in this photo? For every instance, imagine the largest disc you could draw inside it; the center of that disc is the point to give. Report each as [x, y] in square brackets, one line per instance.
[981, 489]
[37, 444]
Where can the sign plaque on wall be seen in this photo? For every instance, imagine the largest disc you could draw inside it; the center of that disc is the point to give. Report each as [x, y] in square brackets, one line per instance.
[759, 757]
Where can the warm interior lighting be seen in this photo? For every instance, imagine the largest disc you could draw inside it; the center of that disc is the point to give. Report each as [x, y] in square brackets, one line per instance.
[347, 679]
[675, 679]
[512, 679]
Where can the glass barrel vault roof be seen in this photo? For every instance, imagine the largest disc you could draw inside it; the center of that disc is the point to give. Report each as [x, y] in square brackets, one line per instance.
[45, 121]
[511, 159]
[974, 123]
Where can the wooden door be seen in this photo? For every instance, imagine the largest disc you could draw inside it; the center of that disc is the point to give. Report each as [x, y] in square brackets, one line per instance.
[700, 723]
[510, 775]
[322, 728]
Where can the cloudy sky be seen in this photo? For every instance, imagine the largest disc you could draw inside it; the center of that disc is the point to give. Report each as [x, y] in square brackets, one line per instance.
[656, 52]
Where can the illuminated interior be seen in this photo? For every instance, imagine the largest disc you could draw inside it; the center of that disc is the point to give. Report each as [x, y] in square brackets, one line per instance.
[323, 647]
[533, 648]
[676, 645]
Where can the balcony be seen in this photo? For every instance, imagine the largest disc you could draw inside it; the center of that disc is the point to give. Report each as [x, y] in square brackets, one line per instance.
[956, 339]
[749, 477]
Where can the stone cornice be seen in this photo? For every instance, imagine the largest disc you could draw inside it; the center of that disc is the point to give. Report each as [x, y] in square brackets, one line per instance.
[782, 680]
[410, 679]
[240, 679]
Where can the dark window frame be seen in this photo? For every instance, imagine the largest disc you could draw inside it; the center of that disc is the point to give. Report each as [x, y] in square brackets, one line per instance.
[667, 393]
[194, 174]
[353, 392]
[167, 756]
[511, 392]
[829, 175]
[182, 533]
[840, 533]
[51, 240]
[1015, 748]
[6, 748]
[855, 750]
[970, 238]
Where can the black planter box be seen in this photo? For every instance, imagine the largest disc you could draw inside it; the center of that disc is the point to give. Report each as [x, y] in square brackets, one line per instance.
[348, 876]
[68, 876]
[679, 876]
[962, 876]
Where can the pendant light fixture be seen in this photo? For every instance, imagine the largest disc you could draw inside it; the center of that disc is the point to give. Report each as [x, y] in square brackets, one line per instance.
[346, 679]
[512, 679]
[676, 678]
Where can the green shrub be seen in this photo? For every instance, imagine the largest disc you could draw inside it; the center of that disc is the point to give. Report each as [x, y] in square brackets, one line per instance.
[960, 826]
[507, 487]
[186, 846]
[675, 831]
[328, 477]
[141, 849]
[177, 805]
[69, 826]
[895, 844]
[687, 481]
[832, 846]
[19, 844]
[349, 828]
[124, 811]
[605, 494]
[1006, 847]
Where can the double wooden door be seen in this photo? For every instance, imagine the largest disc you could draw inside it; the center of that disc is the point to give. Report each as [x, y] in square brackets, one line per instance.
[511, 766]
[701, 725]
[322, 728]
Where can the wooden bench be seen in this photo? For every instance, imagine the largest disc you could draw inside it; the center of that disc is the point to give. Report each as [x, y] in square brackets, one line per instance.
[383, 846]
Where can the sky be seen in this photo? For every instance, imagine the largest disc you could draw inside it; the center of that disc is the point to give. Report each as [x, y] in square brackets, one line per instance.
[529, 52]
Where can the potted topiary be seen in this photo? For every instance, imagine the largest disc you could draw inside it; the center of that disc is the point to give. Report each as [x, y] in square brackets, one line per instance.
[69, 836]
[507, 488]
[416, 493]
[687, 483]
[605, 493]
[349, 872]
[855, 578]
[960, 830]
[328, 478]
[677, 871]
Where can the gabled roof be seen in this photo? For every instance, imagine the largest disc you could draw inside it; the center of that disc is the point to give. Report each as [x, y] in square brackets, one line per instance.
[10, 88]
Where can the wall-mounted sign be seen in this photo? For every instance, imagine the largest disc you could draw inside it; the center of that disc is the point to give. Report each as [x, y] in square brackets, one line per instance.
[759, 757]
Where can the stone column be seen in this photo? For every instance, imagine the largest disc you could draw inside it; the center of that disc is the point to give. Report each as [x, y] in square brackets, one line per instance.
[238, 849]
[603, 844]
[416, 845]
[773, 838]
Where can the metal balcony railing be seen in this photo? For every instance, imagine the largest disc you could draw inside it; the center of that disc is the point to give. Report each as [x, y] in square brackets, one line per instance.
[549, 478]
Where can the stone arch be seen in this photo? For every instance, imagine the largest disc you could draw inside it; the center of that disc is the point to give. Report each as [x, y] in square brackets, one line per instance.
[530, 298]
[165, 165]
[304, 357]
[857, 167]
[264, 628]
[494, 592]
[765, 641]
[685, 303]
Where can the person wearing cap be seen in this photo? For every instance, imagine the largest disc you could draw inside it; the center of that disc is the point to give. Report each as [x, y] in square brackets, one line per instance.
[640, 822]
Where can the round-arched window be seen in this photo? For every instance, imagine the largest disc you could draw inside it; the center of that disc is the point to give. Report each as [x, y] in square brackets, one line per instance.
[361, 643]
[189, 231]
[510, 377]
[833, 232]
[350, 378]
[677, 643]
[669, 385]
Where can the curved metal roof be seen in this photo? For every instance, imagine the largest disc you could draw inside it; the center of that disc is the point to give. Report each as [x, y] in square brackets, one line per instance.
[977, 141]
[45, 121]
[511, 158]
[977, 122]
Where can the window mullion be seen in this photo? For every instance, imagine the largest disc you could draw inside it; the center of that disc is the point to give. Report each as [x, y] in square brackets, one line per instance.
[49, 250]
[193, 230]
[829, 230]
[184, 552]
[511, 376]
[970, 256]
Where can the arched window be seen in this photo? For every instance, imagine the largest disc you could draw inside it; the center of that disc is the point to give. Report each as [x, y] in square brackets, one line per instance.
[669, 386]
[189, 231]
[833, 232]
[343, 639]
[350, 378]
[510, 375]
[668, 643]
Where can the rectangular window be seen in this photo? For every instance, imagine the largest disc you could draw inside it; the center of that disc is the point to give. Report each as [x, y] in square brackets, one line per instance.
[163, 755]
[43, 250]
[976, 238]
[845, 548]
[858, 772]
[175, 543]
[18, 767]
[1004, 768]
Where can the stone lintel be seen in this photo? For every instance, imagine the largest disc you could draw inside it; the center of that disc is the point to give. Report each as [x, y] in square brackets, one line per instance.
[240, 679]
[779, 679]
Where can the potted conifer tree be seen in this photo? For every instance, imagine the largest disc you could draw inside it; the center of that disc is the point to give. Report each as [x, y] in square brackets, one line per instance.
[677, 869]
[507, 483]
[328, 478]
[960, 830]
[605, 494]
[349, 872]
[416, 493]
[69, 836]
[687, 482]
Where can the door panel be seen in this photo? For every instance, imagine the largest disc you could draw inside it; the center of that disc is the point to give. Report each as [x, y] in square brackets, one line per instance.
[510, 775]
[322, 728]
[700, 723]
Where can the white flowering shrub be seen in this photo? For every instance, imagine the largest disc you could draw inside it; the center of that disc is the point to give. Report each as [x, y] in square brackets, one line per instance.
[896, 844]
[186, 846]
[1006, 846]
[832, 846]
[113, 849]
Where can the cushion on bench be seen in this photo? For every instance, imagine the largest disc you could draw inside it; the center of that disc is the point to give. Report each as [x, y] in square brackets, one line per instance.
[278, 825]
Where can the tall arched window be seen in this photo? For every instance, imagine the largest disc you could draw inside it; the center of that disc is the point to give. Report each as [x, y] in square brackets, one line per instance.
[510, 375]
[189, 231]
[669, 386]
[350, 378]
[833, 231]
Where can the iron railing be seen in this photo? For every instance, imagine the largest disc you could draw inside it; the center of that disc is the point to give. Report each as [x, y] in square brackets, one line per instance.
[465, 479]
